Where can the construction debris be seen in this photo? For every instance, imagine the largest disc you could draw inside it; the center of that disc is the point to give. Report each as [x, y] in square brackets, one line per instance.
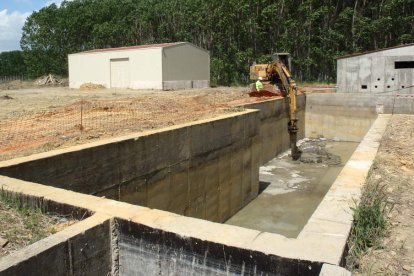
[48, 80]
[91, 86]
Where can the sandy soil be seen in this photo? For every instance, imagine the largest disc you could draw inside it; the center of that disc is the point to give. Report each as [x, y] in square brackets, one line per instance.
[394, 169]
[40, 119]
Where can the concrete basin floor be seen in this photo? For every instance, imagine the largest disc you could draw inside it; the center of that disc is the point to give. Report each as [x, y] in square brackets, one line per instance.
[291, 190]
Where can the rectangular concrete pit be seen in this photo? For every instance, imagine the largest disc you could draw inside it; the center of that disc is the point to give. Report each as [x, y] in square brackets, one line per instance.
[163, 242]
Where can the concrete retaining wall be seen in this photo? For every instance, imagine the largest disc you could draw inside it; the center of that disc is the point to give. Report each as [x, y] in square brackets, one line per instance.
[82, 249]
[343, 117]
[208, 169]
[274, 117]
[147, 251]
[349, 116]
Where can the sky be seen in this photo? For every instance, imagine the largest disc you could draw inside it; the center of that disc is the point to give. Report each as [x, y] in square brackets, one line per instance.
[13, 14]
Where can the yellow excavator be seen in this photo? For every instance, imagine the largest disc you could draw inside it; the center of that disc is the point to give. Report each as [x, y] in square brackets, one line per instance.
[277, 73]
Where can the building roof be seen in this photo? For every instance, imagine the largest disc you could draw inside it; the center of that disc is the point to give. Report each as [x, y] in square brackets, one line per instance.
[137, 47]
[374, 51]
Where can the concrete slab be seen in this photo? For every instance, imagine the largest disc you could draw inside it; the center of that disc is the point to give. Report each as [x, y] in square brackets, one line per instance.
[329, 270]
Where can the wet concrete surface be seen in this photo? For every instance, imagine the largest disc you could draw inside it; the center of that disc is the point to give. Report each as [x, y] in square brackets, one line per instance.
[291, 190]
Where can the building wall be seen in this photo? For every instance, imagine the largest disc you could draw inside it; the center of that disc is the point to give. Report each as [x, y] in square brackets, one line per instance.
[176, 67]
[185, 66]
[376, 73]
[145, 68]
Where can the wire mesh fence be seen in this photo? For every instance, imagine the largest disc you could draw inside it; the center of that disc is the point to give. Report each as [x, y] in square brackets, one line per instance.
[90, 119]
[81, 119]
[12, 78]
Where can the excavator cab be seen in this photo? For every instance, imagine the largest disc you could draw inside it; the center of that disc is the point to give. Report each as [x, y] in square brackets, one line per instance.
[284, 58]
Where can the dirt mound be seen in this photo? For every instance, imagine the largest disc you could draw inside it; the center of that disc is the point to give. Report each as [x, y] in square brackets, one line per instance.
[264, 93]
[91, 86]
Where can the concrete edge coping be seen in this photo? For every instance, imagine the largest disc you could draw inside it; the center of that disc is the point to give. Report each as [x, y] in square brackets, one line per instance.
[31, 251]
[329, 270]
[135, 136]
[332, 220]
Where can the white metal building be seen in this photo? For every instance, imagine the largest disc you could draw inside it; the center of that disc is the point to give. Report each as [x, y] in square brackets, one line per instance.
[159, 66]
[386, 70]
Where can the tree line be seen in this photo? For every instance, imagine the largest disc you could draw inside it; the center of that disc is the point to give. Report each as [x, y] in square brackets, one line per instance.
[236, 32]
[12, 64]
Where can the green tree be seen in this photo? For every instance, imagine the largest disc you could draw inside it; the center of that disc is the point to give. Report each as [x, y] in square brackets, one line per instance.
[236, 32]
[12, 64]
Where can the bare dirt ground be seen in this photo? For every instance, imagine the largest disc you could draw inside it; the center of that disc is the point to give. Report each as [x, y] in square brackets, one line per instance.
[394, 170]
[40, 119]
[35, 119]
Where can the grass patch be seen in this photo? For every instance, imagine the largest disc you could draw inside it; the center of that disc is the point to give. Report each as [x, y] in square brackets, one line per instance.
[21, 225]
[235, 109]
[370, 223]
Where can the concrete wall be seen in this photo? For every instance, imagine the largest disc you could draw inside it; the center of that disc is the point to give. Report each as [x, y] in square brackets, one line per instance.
[147, 251]
[185, 66]
[274, 136]
[342, 117]
[82, 249]
[208, 169]
[348, 117]
[145, 68]
[377, 72]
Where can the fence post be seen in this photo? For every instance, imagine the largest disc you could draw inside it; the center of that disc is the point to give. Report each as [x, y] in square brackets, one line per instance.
[81, 118]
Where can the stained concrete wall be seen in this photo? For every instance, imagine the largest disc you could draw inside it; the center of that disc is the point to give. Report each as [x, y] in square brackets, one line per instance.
[376, 73]
[82, 249]
[208, 169]
[147, 251]
[274, 117]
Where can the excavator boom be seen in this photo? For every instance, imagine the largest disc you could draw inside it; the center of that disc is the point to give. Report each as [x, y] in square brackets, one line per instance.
[277, 73]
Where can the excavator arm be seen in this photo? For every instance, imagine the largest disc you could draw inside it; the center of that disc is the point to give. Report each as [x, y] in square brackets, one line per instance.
[277, 73]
